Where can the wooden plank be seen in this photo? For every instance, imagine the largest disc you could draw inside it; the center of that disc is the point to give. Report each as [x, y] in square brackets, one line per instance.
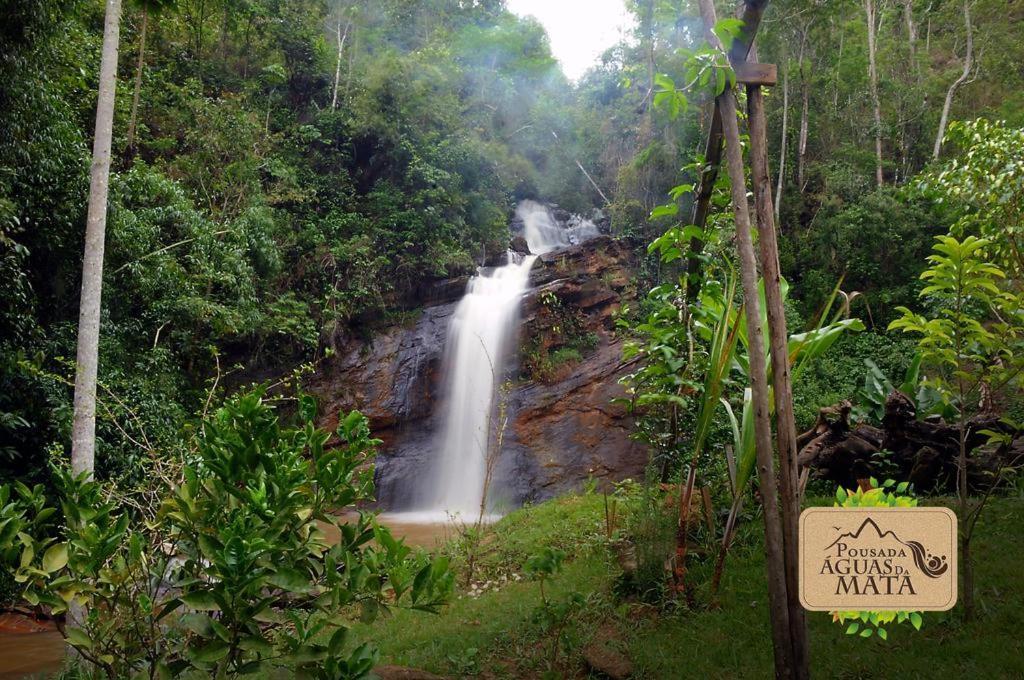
[750, 73]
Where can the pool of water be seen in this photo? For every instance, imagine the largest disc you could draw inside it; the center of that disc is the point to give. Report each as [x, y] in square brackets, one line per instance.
[28, 655]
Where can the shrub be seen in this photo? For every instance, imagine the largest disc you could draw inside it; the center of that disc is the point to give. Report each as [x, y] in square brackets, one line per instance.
[234, 569]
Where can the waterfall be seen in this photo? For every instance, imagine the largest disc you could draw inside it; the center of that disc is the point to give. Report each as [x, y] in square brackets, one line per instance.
[482, 330]
[481, 336]
[543, 234]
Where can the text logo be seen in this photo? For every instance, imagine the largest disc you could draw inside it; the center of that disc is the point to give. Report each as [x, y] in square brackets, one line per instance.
[878, 559]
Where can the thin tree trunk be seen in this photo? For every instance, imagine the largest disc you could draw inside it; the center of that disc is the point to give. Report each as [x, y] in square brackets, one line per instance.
[805, 95]
[83, 432]
[778, 341]
[869, 8]
[776, 568]
[839, 66]
[966, 559]
[351, 59]
[782, 143]
[223, 46]
[138, 80]
[908, 17]
[968, 65]
[337, 66]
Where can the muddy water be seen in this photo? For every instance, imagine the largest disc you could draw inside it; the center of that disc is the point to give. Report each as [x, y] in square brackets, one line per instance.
[421, 530]
[39, 655]
[28, 655]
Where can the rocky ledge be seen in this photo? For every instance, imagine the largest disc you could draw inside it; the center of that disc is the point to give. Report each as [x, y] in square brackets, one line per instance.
[565, 423]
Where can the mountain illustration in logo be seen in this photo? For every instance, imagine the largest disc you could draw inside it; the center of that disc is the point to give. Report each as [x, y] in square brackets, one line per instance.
[930, 565]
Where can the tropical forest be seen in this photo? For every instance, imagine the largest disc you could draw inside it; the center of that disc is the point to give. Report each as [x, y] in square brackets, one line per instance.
[441, 339]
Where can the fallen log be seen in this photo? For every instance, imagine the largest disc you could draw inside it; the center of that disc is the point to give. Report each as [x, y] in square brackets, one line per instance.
[922, 452]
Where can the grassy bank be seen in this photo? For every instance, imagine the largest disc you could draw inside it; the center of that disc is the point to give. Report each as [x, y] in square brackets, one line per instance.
[495, 634]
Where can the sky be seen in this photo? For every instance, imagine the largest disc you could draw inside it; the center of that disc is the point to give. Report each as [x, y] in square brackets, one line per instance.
[580, 30]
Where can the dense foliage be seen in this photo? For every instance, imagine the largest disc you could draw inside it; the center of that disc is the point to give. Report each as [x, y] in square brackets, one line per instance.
[241, 545]
[288, 184]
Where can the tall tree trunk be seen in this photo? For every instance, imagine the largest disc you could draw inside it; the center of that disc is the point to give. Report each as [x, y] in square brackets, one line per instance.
[337, 66]
[908, 17]
[778, 602]
[83, 432]
[647, 28]
[870, 10]
[351, 60]
[968, 65]
[839, 67]
[778, 341]
[132, 121]
[222, 47]
[805, 96]
[782, 143]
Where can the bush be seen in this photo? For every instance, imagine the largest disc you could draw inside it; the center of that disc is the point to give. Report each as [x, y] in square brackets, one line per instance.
[239, 566]
[840, 374]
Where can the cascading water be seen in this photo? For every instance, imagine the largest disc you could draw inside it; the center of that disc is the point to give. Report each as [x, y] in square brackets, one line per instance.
[482, 332]
[543, 234]
[484, 324]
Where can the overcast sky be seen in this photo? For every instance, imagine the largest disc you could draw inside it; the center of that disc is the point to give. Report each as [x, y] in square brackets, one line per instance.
[580, 30]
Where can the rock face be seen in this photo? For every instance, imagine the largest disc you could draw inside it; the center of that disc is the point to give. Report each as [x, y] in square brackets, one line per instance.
[564, 426]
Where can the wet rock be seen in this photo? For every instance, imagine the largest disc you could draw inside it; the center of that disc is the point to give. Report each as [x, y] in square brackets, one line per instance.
[519, 245]
[562, 430]
[496, 258]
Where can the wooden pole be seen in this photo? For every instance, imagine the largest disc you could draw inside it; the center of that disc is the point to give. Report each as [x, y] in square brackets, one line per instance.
[751, 17]
[776, 566]
[778, 341]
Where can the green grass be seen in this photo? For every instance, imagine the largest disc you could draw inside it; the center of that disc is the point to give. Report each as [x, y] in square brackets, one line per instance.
[494, 635]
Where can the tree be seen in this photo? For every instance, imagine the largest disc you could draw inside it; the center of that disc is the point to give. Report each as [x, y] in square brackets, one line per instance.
[342, 36]
[805, 96]
[871, 11]
[148, 7]
[972, 345]
[968, 65]
[83, 435]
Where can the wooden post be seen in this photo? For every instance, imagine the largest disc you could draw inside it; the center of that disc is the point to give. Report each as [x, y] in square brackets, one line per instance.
[751, 17]
[785, 664]
[778, 340]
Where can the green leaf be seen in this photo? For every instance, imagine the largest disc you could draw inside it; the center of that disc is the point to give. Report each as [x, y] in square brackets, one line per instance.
[200, 624]
[201, 600]
[882, 634]
[55, 558]
[866, 633]
[291, 580]
[215, 651]
[78, 638]
[852, 628]
[255, 643]
[915, 620]
[337, 642]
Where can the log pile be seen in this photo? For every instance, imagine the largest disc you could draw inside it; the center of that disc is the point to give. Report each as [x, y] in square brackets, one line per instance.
[922, 452]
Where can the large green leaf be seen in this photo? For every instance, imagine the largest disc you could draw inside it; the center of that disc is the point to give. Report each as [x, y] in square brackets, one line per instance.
[55, 557]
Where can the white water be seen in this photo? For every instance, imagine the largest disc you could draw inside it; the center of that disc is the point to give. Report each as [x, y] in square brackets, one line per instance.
[482, 333]
[543, 234]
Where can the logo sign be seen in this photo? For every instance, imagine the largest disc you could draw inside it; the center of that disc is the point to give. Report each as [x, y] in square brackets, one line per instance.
[878, 559]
